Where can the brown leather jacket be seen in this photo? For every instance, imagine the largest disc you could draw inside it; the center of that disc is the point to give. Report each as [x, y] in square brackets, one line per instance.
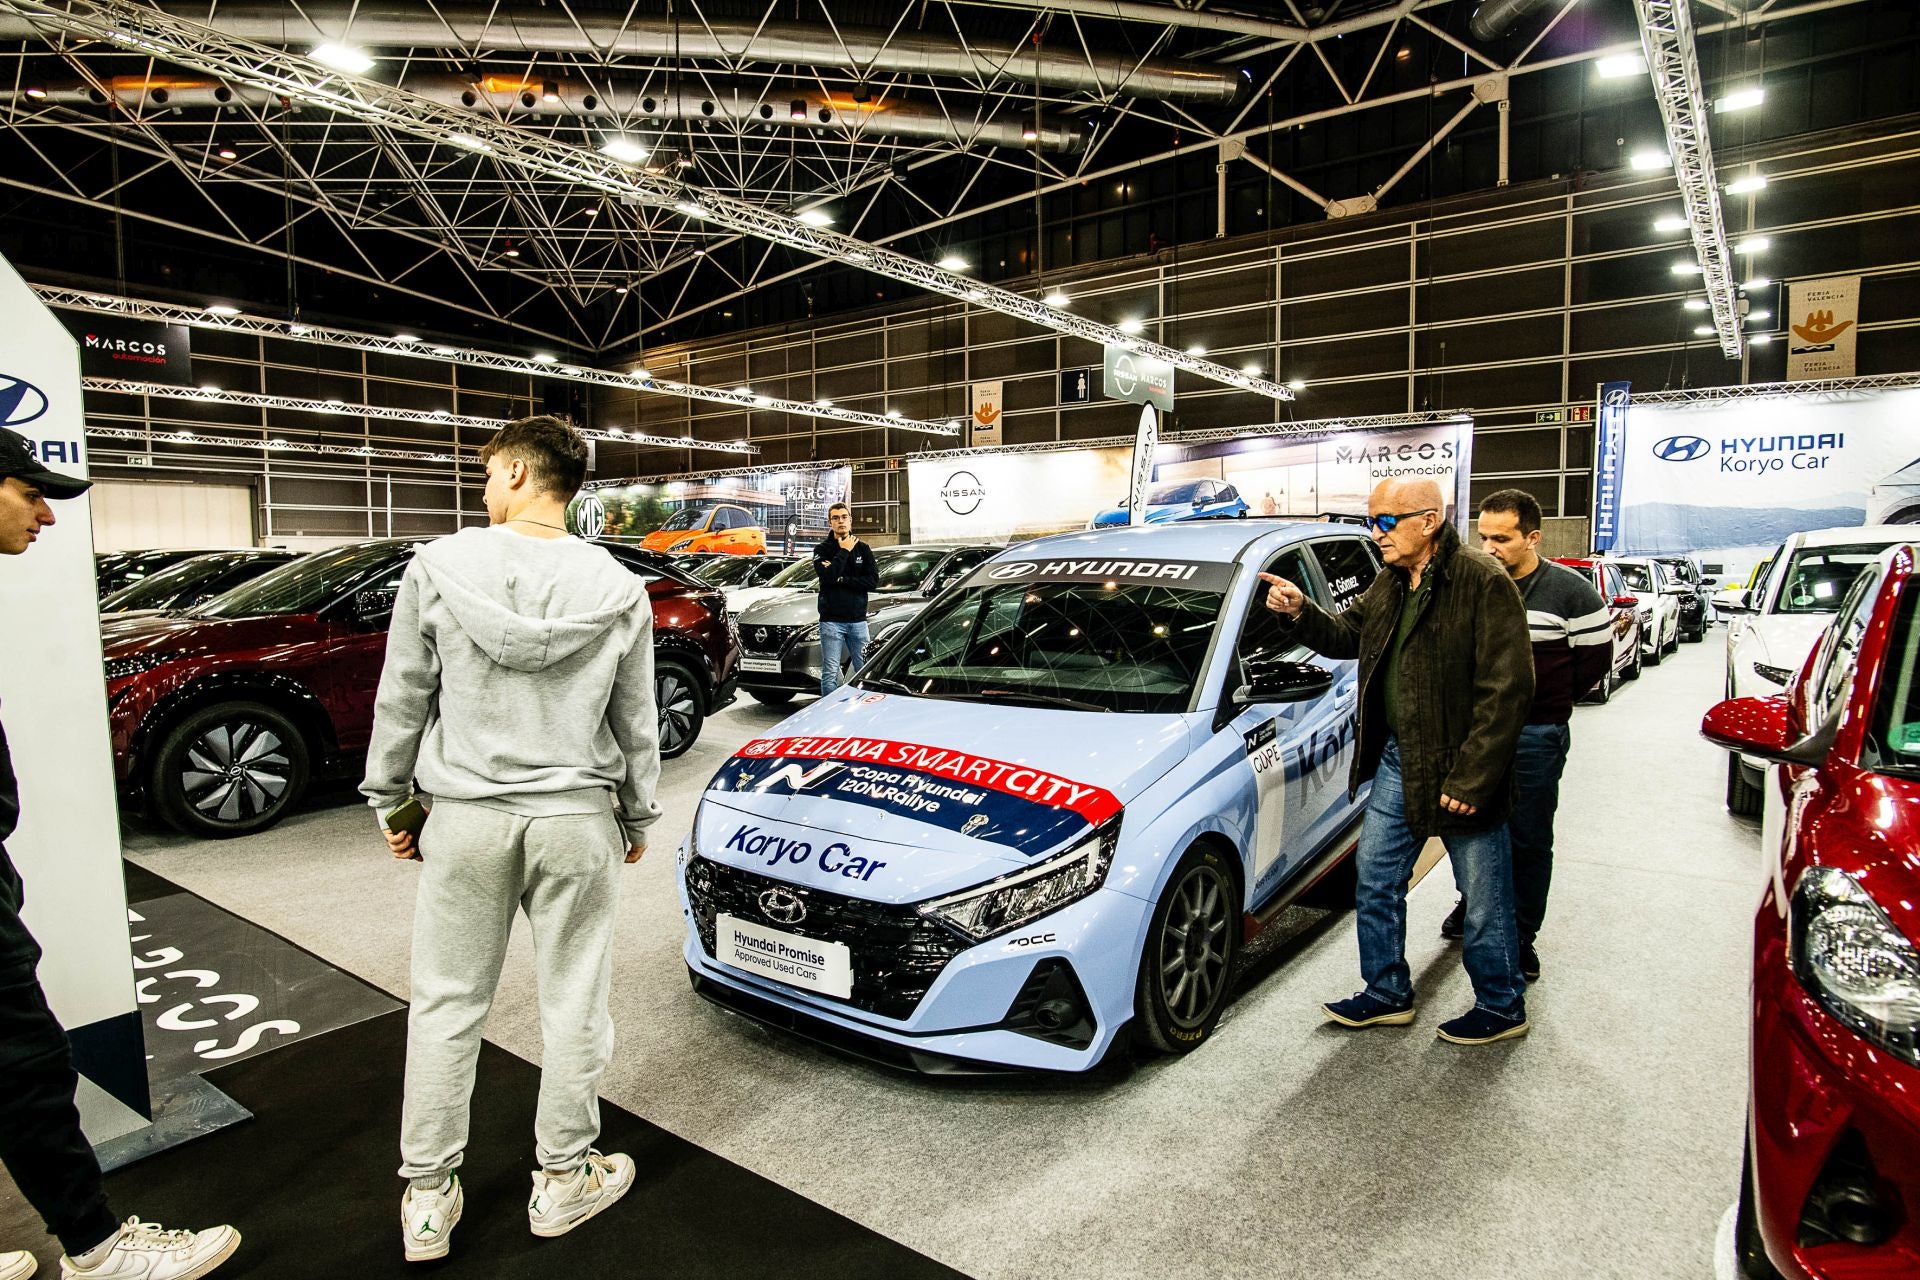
[1466, 681]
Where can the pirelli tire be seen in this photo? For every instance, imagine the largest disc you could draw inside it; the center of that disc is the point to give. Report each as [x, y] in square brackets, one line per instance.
[1186, 963]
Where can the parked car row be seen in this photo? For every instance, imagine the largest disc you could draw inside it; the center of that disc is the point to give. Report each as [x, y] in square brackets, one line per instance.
[1830, 1186]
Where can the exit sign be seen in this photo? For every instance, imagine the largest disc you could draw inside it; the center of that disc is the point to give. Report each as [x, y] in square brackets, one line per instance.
[1546, 415]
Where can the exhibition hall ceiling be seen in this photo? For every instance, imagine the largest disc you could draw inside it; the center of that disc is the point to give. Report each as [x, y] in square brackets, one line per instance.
[924, 127]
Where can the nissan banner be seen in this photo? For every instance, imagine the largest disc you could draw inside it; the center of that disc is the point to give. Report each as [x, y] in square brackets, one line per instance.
[1128, 376]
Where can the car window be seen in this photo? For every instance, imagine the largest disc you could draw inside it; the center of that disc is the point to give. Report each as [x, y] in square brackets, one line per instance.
[727, 571]
[801, 573]
[1817, 578]
[957, 565]
[1265, 636]
[1227, 494]
[1841, 645]
[309, 583]
[1350, 565]
[904, 568]
[1636, 576]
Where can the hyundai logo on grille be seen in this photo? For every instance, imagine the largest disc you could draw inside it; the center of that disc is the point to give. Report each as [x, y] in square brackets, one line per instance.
[782, 906]
[20, 401]
[1681, 449]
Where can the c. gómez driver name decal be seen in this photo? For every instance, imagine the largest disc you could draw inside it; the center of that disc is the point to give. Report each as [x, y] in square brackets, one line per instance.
[1013, 804]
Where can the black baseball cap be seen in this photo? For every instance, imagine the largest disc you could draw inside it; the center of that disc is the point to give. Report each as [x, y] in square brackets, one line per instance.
[16, 459]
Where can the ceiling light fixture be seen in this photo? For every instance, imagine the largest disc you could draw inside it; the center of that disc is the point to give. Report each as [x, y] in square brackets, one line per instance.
[406, 337]
[1132, 324]
[1643, 161]
[1704, 331]
[35, 92]
[1741, 100]
[1620, 66]
[544, 358]
[1695, 304]
[951, 262]
[1753, 244]
[1758, 282]
[222, 309]
[1685, 268]
[445, 351]
[1057, 299]
[797, 110]
[1196, 350]
[1296, 384]
[549, 91]
[622, 148]
[343, 57]
[1759, 339]
[895, 413]
[815, 217]
[1029, 133]
[1670, 223]
[227, 153]
[1251, 370]
[1752, 182]
[1756, 317]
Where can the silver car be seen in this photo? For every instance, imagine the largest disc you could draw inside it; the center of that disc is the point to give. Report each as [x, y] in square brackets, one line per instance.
[780, 637]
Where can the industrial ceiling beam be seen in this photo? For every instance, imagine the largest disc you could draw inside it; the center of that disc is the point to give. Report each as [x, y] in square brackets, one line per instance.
[1666, 34]
[631, 380]
[185, 43]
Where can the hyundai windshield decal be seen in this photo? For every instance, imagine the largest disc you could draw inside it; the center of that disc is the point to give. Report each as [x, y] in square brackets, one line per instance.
[1016, 805]
[1194, 574]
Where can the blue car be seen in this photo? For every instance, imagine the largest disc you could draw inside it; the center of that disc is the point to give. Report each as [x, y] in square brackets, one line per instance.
[1181, 500]
[1045, 815]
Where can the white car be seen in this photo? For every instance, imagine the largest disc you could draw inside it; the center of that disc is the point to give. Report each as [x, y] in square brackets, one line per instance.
[1772, 630]
[1649, 580]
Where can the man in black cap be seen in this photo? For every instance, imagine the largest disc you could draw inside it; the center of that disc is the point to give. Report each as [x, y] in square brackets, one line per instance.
[40, 1139]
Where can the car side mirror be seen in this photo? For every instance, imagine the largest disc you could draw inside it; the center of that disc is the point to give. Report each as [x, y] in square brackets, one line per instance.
[1737, 604]
[1709, 582]
[1279, 681]
[373, 607]
[1759, 727]
[1626, 602]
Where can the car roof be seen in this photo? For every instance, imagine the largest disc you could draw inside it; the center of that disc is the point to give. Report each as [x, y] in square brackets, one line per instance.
[1216, 540]
[1889, 534]
[1575, 562]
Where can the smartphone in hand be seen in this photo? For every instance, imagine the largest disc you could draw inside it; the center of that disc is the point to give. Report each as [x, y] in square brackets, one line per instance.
[409, 818]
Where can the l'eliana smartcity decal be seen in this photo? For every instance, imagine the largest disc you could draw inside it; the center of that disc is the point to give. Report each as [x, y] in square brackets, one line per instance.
[1025, 808]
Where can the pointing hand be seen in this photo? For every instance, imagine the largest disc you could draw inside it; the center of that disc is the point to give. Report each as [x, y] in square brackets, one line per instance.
[1282, 596]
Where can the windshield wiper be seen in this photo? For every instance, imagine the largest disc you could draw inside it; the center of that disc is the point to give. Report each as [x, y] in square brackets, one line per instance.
[885, 684]
[1024, 697]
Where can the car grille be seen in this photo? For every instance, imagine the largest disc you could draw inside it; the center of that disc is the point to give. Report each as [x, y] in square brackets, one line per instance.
[763, 639]
[897, 953]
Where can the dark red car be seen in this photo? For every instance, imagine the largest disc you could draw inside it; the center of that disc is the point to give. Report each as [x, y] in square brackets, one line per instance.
[1832, 1186]
[1624, 607]
[222, 715]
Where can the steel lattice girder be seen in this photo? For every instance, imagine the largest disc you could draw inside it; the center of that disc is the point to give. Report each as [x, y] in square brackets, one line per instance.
[1666, 32]
[634, 380]
[188, 44]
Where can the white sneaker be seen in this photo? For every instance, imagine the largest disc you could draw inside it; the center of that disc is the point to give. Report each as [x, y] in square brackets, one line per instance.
[147, 1251]
[17, 1265]
[427, 1219]
[562, 1202]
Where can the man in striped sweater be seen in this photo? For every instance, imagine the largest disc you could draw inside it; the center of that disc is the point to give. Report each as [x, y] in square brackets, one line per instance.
[1572, 648]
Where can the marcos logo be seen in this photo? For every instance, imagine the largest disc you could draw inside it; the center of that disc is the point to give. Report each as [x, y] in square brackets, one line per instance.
[20, 401]
[963, 493]
[1681, 449]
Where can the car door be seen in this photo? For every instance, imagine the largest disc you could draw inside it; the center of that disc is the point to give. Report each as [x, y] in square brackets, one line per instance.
[357, 651]
[1287, 748]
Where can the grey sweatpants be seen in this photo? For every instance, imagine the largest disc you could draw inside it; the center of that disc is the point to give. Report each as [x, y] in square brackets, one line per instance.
[480, 865]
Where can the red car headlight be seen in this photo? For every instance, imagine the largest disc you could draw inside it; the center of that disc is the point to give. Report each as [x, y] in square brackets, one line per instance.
[1852, 959]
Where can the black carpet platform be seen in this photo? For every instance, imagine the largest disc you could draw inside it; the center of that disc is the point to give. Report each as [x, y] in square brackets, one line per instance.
[310, 1183]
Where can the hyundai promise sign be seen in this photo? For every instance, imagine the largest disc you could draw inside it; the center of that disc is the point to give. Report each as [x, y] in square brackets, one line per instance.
[1608, 462]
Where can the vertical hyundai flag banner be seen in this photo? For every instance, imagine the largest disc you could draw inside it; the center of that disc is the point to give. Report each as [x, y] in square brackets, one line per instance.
[987, 407]
[1822, 325]
[1609, 462]
[1143, 445]
[54, 701]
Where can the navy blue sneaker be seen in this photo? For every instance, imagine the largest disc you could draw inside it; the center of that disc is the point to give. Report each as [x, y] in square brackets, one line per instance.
[1364, 1010]
[1478, 1026]
[1529, 962]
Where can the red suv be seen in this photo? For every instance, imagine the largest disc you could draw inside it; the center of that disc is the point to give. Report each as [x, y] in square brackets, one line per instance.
[1832, 1185]
[221, 715]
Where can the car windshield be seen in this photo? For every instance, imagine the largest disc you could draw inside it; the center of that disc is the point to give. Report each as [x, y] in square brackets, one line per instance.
[685, 518]
[727, 571]
[137, 566]
[1817, 577]
[173, 586]
[1893, 741]
[1638, 576]
[306, 584]
[1091, 646]
[801, 573]
[903, 568]
[1683, 570]
[1168, 494]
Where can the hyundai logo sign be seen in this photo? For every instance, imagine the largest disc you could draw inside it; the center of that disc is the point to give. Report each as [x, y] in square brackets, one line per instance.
[782, 906]
[1681, 449]
[20, 401]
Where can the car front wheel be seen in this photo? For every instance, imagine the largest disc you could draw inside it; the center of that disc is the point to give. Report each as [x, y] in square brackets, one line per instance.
[1632, 670]
[1187, 962]
[678, 699]
[229, 769]
[1744, 794]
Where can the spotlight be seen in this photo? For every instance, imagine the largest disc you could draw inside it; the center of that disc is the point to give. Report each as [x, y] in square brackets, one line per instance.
[1695, 304]
[1057, 299]
[1132, 324]
[1741, 100]
[1620, 66]
[544, 358]
[1296, 384]
[1759, 339]
[895, 413]
[823, 403]
[1029, 133]
[1752, 244]
[1648, 160]
[445, 351]
[619, 288]
[1251, 370]
[684, 160]
[1752, 182]
[1196, 350]
[815, 217]
[1686, 268]
[1669, 223]
[951, 262]
[343, 57]
[549, 91]
[797, 110]
[35, 92]
[222, 309]
[862, 93]
[227, 153]
[1756, 317]
[1704, 331]
[624, 149]
[406, 337]
[1758, 282]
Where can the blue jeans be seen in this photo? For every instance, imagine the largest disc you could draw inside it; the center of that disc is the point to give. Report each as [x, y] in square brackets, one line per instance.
[1537, 765]
[835, 637]
[1483, 870]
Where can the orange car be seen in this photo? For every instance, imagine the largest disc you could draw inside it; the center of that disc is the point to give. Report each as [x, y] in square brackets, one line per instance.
[723, 527]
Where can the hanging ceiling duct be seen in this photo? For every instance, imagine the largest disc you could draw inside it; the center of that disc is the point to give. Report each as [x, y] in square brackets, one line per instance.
[1497, 17]
[628, 110]
[477, 30]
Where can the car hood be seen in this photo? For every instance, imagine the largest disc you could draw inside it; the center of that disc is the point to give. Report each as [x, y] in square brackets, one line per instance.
[1782, 639]
[176, 636]
[801, 607]
[945, 794]
[740, 599]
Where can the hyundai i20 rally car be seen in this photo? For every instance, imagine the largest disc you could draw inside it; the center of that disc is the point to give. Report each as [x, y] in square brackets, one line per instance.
[1044, 816]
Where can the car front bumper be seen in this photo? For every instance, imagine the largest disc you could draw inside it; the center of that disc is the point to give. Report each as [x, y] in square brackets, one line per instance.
[799, 670]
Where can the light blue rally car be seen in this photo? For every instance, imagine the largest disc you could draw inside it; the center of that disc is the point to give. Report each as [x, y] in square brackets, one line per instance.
[1047, 811]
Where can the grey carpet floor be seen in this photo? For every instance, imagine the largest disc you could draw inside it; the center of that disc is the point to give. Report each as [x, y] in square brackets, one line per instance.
[1605, 1144]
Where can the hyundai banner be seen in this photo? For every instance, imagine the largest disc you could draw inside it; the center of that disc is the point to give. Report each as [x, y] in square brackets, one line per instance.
[1729, 479]
[1615, 397]
[67, 846]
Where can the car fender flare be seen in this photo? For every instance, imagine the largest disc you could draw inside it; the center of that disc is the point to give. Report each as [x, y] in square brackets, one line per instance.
[286, 695]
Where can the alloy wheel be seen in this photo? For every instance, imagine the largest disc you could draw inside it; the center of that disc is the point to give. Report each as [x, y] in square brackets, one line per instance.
[679, 709]
[236, 770]
[1194, 948]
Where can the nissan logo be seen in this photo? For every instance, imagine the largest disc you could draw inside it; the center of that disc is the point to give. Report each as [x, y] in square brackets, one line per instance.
[1681, 449]
[20, 401]
[759, 635]
[782, 906]
[1125, 376]
[963, 493]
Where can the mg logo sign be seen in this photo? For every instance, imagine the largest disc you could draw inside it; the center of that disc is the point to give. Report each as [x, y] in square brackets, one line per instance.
[588, 516]
[20, 401]
[1681, 449]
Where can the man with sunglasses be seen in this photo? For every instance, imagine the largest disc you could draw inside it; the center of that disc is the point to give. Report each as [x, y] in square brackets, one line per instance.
[1446, 677]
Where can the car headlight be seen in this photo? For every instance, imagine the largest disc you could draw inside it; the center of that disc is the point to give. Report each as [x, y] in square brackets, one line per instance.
[807, 634]
[1852, 959]
[1779, 675]
[121, 668]
[1013, 900]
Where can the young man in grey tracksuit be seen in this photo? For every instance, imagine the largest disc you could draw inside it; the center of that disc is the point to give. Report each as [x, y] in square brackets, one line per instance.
[517, 704]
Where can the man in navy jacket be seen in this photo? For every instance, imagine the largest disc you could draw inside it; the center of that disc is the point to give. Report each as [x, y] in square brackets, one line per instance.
[847, 573]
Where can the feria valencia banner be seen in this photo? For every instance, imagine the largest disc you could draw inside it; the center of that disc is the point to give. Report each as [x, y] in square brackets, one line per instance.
[1729, 479]
[1009, 496]
[1823, 319]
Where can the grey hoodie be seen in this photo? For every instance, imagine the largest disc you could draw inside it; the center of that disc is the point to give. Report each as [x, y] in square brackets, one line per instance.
[519, 676]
